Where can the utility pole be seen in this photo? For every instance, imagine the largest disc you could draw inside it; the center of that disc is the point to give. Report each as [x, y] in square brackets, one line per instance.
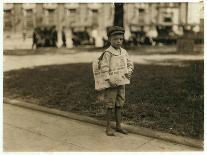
[119, 14]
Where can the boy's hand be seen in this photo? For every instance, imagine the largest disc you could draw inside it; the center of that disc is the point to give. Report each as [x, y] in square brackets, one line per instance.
[111, 83]
[128, 75]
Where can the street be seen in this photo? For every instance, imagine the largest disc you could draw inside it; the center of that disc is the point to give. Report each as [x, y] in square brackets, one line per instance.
[18, 62]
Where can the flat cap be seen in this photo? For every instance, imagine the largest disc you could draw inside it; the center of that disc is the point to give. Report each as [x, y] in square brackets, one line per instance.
[115, 30]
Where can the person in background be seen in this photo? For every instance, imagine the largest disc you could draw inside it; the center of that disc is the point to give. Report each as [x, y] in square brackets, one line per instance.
[34, 38]
[63, 37]
[24, 33]
[54, 36]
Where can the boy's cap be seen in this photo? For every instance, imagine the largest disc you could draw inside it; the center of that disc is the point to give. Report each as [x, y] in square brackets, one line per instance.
[115, 30]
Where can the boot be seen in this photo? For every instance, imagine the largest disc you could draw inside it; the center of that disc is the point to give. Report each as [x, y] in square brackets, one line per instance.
[118, 121]
[109, 131]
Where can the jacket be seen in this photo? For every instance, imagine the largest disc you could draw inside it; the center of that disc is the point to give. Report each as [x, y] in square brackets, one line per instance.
[105, 63]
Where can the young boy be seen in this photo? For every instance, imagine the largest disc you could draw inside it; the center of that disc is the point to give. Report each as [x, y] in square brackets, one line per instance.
[114, 97]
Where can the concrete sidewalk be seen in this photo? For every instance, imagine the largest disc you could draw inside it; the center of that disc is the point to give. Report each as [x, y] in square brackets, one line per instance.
[29, 130]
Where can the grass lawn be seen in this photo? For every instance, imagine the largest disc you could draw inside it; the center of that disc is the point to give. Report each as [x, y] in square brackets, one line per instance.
[165, 98]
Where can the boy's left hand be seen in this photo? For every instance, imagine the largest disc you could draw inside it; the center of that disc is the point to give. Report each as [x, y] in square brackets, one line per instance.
[128, 75]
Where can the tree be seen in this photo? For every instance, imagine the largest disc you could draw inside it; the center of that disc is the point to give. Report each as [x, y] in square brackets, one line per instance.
[119, 14]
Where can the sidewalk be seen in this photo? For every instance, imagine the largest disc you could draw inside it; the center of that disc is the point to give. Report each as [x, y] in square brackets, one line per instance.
[29, 130]
[18, 62]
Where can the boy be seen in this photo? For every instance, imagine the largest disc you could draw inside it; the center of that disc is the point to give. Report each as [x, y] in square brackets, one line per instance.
[114, 97]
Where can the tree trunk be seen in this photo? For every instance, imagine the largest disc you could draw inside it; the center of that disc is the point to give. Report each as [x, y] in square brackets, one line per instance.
[119, 14]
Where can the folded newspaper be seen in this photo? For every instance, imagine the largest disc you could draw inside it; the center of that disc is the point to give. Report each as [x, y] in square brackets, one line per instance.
[118, 69]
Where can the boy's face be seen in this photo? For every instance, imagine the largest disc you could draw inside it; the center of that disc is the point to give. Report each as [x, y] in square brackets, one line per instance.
[116, 40]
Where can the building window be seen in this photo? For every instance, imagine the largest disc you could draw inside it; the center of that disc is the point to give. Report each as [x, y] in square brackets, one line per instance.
[7, 20]
[94, 16]
[71, 16]
[168, 19]
[142, 16]
[29, 25]
[94, 11]
[51, 16]
[141, 10]
[72, 11]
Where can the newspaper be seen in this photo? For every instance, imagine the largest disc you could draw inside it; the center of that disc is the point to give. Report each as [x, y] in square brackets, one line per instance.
[118, 69]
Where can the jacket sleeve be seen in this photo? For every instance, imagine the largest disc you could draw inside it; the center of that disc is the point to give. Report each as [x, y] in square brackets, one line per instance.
[130, 64]
[104, 64]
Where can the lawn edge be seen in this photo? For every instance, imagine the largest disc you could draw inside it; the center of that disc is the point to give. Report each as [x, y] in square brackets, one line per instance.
[136, 130]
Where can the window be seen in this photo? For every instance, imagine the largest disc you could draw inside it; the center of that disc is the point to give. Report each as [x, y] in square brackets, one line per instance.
[51, 16]
[167, 19]
[71, 16]
[95, 11]
[72, 11]
[7, 20]
[141, 10]
[29, 19]
[94, 16]
[141, 17]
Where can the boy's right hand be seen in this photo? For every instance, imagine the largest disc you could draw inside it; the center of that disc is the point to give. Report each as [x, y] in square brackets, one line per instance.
[111, 83]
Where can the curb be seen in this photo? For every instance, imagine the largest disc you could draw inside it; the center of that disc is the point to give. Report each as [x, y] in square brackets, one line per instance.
[136, 130]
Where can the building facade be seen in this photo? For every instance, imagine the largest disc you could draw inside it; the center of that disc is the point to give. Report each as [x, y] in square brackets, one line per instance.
[22, 18]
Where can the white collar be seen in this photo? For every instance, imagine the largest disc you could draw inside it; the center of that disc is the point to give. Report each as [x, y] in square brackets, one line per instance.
[113, 51]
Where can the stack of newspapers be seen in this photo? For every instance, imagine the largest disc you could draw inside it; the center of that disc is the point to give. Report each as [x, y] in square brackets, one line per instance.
[117, 71]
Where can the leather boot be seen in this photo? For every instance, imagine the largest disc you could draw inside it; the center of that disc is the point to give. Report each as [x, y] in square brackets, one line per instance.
[118, 121]
[109, 131]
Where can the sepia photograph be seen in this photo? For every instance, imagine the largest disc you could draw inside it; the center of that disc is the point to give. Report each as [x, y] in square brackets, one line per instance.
[103, 77]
